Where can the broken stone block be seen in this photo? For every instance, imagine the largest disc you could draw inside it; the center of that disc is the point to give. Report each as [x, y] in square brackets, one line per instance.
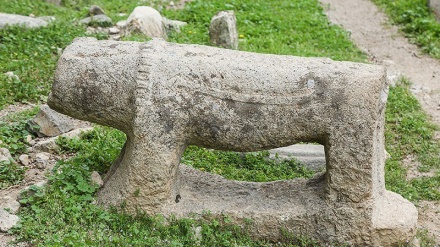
[145, 20]
[239, 101]
[7, 220]
[50, 123]
[173, 25]
[223, 30]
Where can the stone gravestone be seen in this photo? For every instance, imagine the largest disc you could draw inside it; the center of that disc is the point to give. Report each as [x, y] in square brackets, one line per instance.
[167, 96]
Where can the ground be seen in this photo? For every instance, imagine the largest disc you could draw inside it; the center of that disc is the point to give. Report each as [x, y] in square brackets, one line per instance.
[371, 31]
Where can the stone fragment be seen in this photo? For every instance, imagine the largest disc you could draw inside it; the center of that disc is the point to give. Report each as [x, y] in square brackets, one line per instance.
[49, 145]
[223, 30]
[24, 159]
[310, 155]
[113, 30]
[96, 179]
[145, 20]
[7, 220]
[48, 122]
[173, 25]
[121, 24]
[5, 155]
[20, 20]
[99, 20]
[9, 204]
[42, 160]
[11, 74]
[239, 101]
[96, 10]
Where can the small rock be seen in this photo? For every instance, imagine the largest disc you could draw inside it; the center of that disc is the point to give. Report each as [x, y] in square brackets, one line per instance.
[41, 160]
[7, 220]
[50, 123]
[121, 24]
[113, 30]
[172, 25]
[5, 155]
[28, 138]
[24, 159]
[20, 20]
[116, 37]
[100, 20]
[10, 204]
[96, 10]
[31, 15]
[223, 30]
[11, 74]
[96, 179]
[49, 145]
[145, 20]
[122, 14]
[171, 3]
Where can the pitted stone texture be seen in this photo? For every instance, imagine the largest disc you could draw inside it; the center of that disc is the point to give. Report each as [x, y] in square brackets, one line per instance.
[7, 220]
[20, 20]
[223, 30]
[166, 96]
[145, 20]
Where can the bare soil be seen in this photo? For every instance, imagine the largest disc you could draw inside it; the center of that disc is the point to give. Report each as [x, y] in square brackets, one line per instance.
[370, 29]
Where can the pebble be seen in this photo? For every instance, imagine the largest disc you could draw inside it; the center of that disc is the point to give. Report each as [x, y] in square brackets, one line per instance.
[24, 159]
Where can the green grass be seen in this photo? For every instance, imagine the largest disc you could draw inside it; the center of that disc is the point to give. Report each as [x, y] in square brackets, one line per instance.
[409, 132]
[416, 21]
[64, 213]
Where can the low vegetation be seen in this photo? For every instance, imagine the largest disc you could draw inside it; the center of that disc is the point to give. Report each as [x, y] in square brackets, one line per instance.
[416, 21]
[64, 212]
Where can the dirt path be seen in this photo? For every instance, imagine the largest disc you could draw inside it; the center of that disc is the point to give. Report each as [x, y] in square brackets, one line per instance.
[371, 31]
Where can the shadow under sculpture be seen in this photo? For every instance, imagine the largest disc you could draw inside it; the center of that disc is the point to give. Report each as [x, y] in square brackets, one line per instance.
[166, 96]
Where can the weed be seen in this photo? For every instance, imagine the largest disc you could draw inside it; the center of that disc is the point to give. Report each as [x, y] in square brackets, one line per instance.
[10, 174]
[416, 21]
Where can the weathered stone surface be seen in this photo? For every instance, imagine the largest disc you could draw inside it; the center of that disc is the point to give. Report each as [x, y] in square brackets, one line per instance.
[5, 155]
[434, 5]
[223, 30]
[48, 122]
[20, 20]
[145, 20]
[173, 25]
[24, 159]
[42, 160]
[310, 155]
[7, 220]
[166, 96]
[100, 20]
[96, 10]
[10, 204]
